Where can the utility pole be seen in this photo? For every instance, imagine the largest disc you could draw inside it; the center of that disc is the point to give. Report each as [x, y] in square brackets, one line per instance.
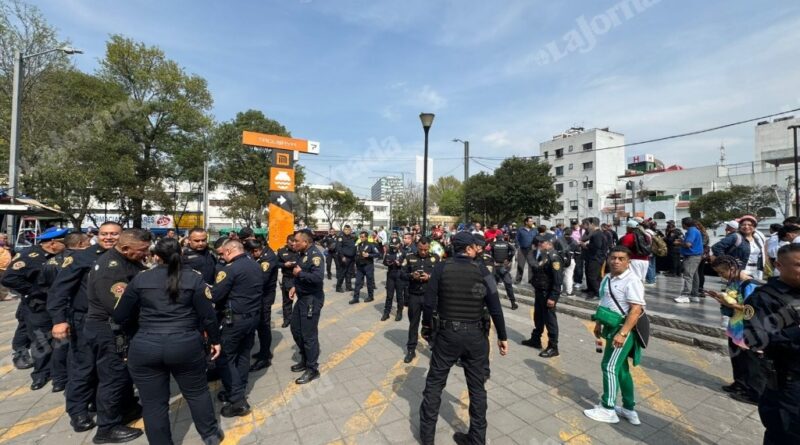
[466, 176]
[796, 175]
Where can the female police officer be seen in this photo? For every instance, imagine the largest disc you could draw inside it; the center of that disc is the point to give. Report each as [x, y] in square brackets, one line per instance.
[174, 307]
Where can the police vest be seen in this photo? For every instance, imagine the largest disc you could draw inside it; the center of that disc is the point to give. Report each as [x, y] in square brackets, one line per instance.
[461, 291]
[542, 277]
[500, 251]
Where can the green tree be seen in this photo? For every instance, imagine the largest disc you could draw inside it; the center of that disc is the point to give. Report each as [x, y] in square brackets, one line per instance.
[167, 126]
[715, 207]
[447, 193]
[337, 204]
[407, 206]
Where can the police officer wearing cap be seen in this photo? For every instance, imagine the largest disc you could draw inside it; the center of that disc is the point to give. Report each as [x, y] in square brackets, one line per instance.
[366, 252]
[268, 262]
[458, 291]
[329, 244]
[68, 305]
[174, 308]
[198, 256]
[309, 298]
[73, 242]
[346, 253]
[502, 253]
[106, 283]
[417, 269]
[546, 277]
[238, 288]
[22, 277]
[393, 260]
[772, 329]
[287, 259]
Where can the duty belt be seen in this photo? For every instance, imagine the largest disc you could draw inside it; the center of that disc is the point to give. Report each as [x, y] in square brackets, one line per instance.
[460, 325]
[237, 317]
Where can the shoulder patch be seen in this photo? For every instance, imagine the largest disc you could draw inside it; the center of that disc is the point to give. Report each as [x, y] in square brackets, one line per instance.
[67, 261]
[405, 262]
[340, 240]
[265, 266]
[556, 265]
[113, 263]
[33, 255]
[220, 276]
[208, 292]
[18, 265]
[749, 312]
[52, 261]
[118, 289]
[317, 261]
[433, 259]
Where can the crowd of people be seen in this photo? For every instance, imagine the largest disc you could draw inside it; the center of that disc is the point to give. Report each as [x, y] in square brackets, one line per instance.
[107, 311]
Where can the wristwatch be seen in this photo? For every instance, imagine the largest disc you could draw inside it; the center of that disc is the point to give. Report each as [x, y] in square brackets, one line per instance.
[625, 335]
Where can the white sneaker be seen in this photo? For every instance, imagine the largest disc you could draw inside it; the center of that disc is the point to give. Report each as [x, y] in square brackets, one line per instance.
[630, 415]
[601, 414]
[682, 299]
[649, 284]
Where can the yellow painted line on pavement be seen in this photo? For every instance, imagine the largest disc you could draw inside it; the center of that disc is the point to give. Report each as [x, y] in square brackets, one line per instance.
[32, 424]
[701, 361]
[576, 434]
[246, 425]
[5, 369]
[15, 392]
[376, 402]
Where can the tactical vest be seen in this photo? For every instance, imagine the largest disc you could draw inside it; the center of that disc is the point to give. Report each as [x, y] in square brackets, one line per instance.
[461, 291]
[542, 273]
[500, 251]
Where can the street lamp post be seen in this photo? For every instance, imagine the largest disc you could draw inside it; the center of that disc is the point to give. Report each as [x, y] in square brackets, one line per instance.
[466, 176]
[796, 182]
[16, 103]
[427, 121]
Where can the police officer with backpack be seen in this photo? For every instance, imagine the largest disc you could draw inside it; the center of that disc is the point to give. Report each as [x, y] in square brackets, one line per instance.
[502, 253]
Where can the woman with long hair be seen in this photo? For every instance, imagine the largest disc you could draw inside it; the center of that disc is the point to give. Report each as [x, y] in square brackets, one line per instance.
[174, 309]
[755, 261]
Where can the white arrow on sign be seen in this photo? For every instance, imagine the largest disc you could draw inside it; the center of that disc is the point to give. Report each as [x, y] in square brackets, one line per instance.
[281, 200]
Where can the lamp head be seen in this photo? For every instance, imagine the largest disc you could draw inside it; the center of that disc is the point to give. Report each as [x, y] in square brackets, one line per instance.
[426, 119]
[66, 49]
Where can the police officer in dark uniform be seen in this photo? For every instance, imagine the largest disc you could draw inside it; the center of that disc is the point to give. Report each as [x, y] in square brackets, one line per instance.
[73, 242]
[287, 259]
[417, 269]
[174, 307]
[393, 260]
[198, 256]
[407, 248]
[239, 287]
[268, 262]
[22, 277]
[309, 298]
[67, 303]
[113, 271]
[772, 328]
[502, 253]
[329, 243]
[546, 277]
[346, 253]
[458, 291]
[366, 252]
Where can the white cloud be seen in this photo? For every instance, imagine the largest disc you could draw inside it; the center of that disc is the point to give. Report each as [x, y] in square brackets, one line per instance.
[429, 99]
[497, 139]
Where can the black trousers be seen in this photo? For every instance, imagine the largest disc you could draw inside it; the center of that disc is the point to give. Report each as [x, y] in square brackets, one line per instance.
[152, 359]
[39, 326]
[502, 274]
[747, 369]
[394, 290]
[780, 414]
[344, 274]
[577, 276]
[593, 277]
[264, 329]
[544, 317]
[305, 331]
[522, 261]
[472, 347]
[414, 303]
[114, 384]
[675, 261]
[234, 361]
[364, 271]
[81, 370]
[286, 303]
[328, 260]
[20, 343]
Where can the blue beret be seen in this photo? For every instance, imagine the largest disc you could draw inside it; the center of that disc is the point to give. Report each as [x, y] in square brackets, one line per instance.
[53, 233]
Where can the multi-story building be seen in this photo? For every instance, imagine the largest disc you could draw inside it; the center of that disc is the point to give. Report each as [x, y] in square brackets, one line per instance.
[585, 164]
[386, 187]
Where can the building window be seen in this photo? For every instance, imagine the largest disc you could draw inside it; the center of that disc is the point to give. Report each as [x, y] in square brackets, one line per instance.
[570, 166]
[570, 148]
[559, 153]
[560, 188]
[560, 171]
[571, 184]
[659, 215]
[219, 202]
[560, 206]
[589, 203]
[573, 205]
[546, 155]
[587, 146]
[559, 221]
[588, 184]
[697, 191]
[588, 165]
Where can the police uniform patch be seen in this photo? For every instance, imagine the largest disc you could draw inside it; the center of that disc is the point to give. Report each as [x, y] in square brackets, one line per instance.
[208, 292]
[18, 265]
[113, 263]
[405, 262]
[16, 257]
[340, 240]
[265, 266]
[118, 289]
[556, 265]
[220, 276]
[749, 312]
[317, 261]
[67, 261]
[33, 255]
[52, 262]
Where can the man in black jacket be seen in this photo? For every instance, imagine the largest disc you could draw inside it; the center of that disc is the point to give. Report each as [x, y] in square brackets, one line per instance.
[198, 256]
[346, 253]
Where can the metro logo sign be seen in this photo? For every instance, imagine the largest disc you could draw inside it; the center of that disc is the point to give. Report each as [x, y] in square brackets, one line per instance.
[281, 179]
[279, 142]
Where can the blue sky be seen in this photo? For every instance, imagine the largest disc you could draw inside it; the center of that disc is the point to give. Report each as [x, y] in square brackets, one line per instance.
[355, 75]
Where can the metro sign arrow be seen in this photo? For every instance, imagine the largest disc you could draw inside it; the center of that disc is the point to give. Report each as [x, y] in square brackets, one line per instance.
[281, 200]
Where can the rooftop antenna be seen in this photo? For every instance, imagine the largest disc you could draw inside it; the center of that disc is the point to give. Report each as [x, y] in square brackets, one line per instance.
[722, 153]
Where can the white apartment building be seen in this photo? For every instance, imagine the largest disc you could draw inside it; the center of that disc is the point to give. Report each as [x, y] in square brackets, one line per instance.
[585, 165]
[774, 143]
[386, 187]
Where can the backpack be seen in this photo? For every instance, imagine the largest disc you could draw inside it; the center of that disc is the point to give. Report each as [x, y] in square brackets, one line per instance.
[562, 247]
[658, 246]
[642, 244]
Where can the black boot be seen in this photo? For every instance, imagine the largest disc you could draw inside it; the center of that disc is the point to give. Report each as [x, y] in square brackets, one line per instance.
[514, 305]
[307, 377]
[369, 298]
[551, 351]
[409, 356]
[532, 342]
[22, 360]
[354, 300]
[339, 288]
[82, 422]
[399, 315]
[118, 434]
[238, 409]
[385, 316]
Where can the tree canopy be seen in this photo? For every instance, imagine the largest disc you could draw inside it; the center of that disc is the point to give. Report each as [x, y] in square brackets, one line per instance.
[719, 206]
